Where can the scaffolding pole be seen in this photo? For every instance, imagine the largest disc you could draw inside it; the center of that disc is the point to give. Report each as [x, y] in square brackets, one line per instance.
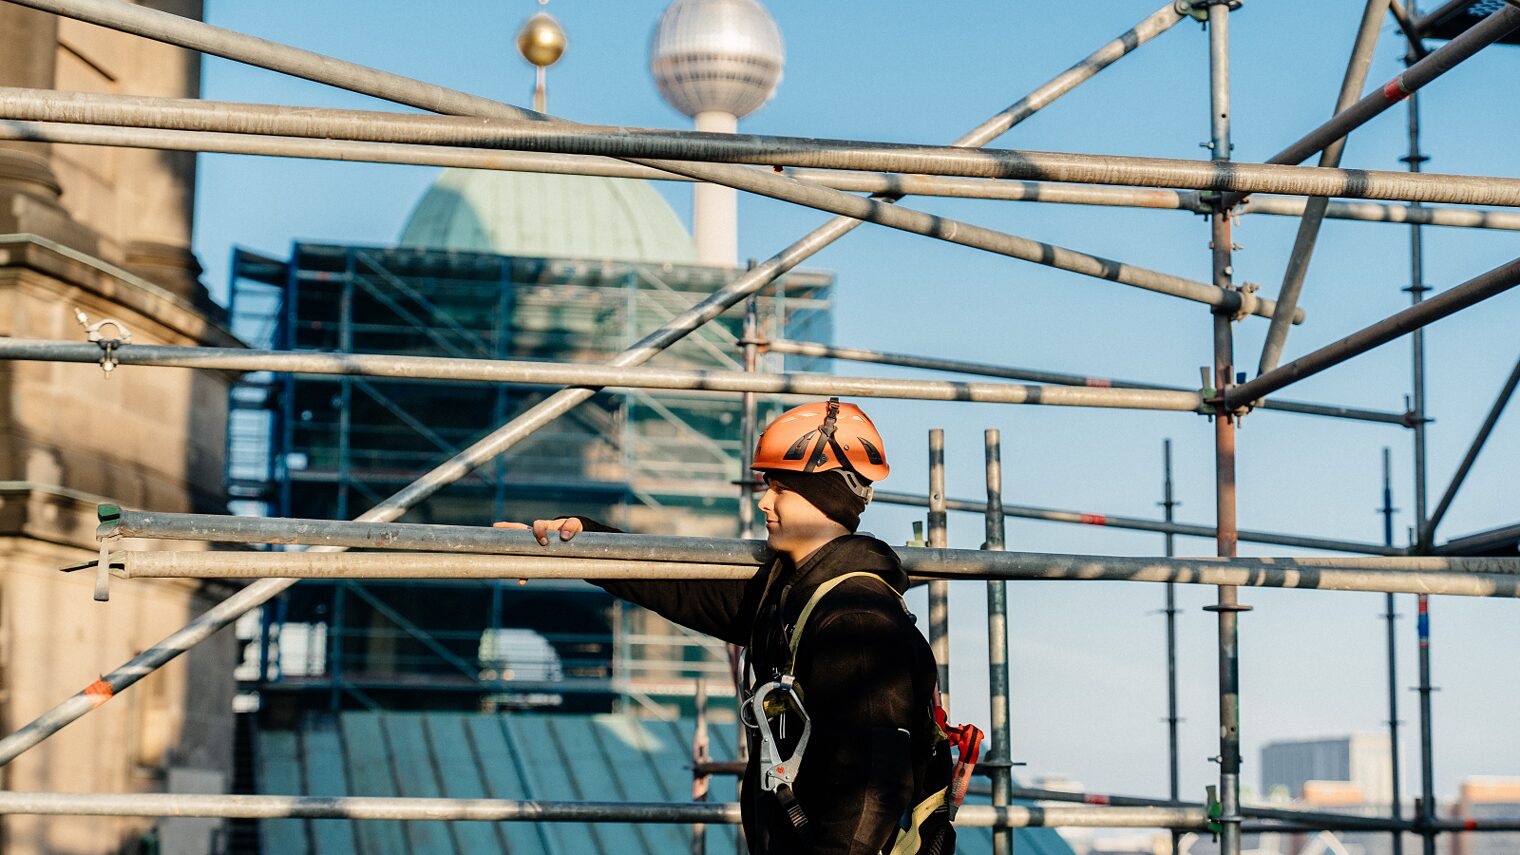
[1173, 755]
[719, 158]
[195, 35]
[609, 375]
[1448, 302]
[1390, 615]
[1428, 530]
[1000, 757]
[1314, 210]
[875, 183]
[1227, 607]
[930, 363]
[939, 589]
[1472, 577]
[1425, 812]
[502, 810]
[1139, 524]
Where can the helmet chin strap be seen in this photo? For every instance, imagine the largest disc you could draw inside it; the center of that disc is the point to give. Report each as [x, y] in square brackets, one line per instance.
[826, 438]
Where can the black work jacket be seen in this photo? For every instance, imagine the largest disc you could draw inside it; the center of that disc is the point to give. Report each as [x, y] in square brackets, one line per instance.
[867, 678]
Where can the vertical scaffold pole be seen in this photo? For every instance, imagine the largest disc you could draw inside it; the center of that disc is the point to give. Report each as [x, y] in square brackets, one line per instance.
[750, 346]
[1391, 616]
[1168, 506]
[1415, 159]
[939, 590]
[700, 782]
[1227, 607]
[1000, 758]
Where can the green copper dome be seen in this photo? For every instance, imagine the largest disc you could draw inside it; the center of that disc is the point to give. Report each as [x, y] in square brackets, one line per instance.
[542, 215]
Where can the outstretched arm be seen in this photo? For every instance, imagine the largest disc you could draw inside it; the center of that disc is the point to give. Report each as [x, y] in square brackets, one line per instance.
[710, 606]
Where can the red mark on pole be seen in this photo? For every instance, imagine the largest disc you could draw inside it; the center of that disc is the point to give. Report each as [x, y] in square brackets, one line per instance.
[1095, 799]
[1470, 824]
[98, 692]
[1394, 89]
[1099, 382]
[1094, 519]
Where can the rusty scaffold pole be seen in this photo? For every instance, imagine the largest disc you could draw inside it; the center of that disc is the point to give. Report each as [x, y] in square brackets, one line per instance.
[1227, 607]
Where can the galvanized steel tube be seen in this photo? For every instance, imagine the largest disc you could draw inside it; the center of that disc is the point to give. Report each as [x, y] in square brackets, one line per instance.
[1427, 532]
[887, 184]
[939, 590]
[711, 157]
[1448, 302]
[502, 810]
[1475, 577]
[188, 114]
[1139, 524]
[807, 348]
[1000, 755]
[1314, 212]
[598, 375]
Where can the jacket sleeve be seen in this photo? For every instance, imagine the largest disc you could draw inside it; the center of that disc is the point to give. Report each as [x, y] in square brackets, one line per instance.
[856, 674]
[708, 606]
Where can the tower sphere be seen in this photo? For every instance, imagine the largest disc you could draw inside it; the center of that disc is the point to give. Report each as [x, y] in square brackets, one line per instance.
[541, 40]
[720, 56]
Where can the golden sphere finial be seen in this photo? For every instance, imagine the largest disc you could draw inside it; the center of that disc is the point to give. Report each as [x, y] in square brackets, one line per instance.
[541, 40]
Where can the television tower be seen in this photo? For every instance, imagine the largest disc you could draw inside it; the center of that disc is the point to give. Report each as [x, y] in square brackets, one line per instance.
[715, 61]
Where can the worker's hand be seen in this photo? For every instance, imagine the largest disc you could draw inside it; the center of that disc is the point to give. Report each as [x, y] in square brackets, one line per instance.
[567, 527]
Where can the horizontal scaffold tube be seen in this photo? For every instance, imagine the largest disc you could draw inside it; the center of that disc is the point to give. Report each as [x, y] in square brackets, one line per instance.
[849, 181]
[807, 348]
[1140, 524]
[1312, 819]
[515, 554]
[689, 146]
[501, 810]
[1498, 577]
[191, 114]
[601, 375]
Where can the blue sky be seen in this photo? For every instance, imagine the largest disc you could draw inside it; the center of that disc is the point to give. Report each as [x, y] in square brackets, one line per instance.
[1088, 666]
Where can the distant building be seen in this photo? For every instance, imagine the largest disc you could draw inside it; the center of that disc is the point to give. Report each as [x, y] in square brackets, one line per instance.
[1487, 798]
[494, 265]
[1361, 762]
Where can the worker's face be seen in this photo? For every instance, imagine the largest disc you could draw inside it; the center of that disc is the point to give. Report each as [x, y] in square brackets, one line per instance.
[793, 524]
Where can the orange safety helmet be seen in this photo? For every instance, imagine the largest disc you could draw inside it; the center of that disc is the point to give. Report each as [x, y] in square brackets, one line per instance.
[823, 436]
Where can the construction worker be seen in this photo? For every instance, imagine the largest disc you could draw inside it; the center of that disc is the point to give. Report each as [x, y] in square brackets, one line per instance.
[839, 687]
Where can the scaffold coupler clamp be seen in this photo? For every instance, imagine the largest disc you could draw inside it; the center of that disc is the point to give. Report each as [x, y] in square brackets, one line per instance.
[109, 536]
[1248, 301]
[108, 344]
[1198, 10]
[777, 772]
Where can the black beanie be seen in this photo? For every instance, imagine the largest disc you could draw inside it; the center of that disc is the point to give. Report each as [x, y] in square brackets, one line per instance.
[827, 491]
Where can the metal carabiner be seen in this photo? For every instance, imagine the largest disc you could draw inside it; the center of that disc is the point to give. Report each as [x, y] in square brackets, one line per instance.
[776, 770]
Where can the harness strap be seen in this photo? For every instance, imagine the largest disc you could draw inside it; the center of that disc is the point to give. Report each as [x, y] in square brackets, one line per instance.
[795, 640]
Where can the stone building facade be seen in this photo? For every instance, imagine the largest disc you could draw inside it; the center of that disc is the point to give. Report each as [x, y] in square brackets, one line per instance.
[106, 232]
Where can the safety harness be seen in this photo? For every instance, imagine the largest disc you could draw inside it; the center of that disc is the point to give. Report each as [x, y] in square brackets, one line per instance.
[765, 711]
